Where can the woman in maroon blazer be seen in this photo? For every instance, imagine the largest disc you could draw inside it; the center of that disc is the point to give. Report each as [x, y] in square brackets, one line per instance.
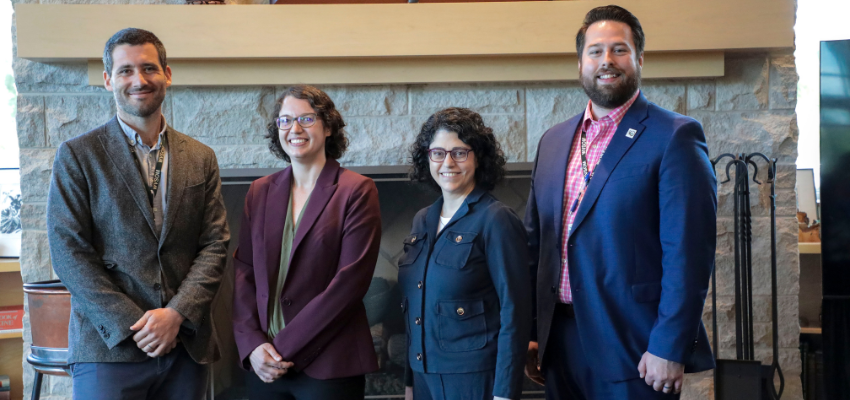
[308, 245]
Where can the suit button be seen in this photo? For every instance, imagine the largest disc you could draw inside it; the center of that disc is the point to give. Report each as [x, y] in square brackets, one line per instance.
[402, 306]
[419, 285]
[418, 357]
[458, 238]
[157, 286]
[287, 302]
[418, 321]
[106, 335]
[460, 311]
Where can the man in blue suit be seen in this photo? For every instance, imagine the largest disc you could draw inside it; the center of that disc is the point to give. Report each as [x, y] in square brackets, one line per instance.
[621, 228]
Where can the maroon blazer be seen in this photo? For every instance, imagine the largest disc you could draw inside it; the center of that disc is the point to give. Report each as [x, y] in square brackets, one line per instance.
[333, 257]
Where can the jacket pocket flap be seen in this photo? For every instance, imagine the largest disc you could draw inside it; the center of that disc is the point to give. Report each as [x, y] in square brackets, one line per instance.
[460, 309]
[460, 237]
[646, 292]
[414, 237]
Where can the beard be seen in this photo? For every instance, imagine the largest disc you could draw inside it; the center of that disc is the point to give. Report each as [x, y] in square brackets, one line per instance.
[143, 110]
[610, 96]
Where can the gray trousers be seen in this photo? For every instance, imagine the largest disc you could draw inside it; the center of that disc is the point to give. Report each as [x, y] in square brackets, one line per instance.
[174, 376]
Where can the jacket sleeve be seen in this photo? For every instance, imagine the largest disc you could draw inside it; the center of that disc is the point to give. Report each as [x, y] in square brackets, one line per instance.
[247, 330]
[507, 260]
[687, 192]
[196, 292]
[70, 229]
[532, 229]
[328, 312]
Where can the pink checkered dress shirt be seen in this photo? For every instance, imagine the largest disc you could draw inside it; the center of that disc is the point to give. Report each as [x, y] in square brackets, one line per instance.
[599, 135]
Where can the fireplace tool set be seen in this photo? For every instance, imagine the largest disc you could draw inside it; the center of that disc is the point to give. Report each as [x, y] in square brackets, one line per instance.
[745, 377]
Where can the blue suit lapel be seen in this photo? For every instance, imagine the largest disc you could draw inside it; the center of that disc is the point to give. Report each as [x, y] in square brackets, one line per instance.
[618, 147]
[559, 151]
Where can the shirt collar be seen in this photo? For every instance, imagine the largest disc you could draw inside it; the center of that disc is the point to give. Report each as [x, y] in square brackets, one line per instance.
[133, 137]
[615, 116]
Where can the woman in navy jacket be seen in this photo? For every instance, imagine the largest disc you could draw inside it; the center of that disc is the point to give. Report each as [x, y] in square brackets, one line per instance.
[467, 291]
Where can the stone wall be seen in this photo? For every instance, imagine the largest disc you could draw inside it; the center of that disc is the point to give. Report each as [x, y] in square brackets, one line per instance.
[750, 109]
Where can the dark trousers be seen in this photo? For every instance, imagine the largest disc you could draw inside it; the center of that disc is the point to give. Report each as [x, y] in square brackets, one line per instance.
[174, 376]
[567, 369]
[467, 386]
[299, 386]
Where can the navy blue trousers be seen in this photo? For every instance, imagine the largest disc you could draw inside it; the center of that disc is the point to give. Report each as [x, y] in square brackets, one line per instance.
[468, 386]
[568, 375]
[174, 376]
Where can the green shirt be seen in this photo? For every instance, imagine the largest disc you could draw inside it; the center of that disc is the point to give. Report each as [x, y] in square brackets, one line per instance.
[276, 322]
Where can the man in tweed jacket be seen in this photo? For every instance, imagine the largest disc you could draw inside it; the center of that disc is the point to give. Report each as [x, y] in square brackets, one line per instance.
[137, 231]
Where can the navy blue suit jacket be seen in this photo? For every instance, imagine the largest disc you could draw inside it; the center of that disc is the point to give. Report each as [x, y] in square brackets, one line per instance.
[467, 296]
[642, 243]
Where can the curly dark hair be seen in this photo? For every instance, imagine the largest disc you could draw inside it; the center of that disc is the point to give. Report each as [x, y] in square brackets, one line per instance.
[335, 144]
[471, 130]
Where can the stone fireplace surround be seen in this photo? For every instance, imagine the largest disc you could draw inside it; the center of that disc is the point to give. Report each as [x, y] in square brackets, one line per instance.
[749, 109]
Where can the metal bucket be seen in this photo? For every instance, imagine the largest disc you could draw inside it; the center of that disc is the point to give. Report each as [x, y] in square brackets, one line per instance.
[49, 312]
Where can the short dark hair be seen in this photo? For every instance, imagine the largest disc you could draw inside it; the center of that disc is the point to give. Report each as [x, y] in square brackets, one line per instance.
[611, 13]
[335, 144]
[133, 37]
[471, 130]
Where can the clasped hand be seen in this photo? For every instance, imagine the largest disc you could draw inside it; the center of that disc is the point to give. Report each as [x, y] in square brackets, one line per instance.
[268, 364]
[663, 375]
[156, 331]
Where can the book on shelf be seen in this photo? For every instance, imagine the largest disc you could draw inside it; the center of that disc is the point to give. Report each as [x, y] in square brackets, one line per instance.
[11, 318]
[4, 383]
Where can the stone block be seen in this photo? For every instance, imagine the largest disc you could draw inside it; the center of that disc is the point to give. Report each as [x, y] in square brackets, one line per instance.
[550, 105]
[786, 175]
[33, 76]
[510, 132]
[483, 99]
[30, 121]
[698, 386]
[773, 133]
[71, 115]
[255, 156]
[744, 85]
[668, 95]
[223, 115]
[35, 257]
[380, 140]
[34, 216]
[701, 96]
[366, 101]
[783, 82]
[36, 166]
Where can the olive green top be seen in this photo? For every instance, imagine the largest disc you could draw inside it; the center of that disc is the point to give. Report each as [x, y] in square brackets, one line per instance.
[276, 322]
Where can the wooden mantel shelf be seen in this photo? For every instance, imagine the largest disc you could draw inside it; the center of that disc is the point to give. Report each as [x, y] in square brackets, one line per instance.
[505, 41]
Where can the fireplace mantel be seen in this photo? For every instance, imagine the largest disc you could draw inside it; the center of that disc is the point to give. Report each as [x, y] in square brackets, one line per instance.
[399, 43]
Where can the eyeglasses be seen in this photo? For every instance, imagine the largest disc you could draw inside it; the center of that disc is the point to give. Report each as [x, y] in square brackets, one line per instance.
[459, 154]
[306, 120]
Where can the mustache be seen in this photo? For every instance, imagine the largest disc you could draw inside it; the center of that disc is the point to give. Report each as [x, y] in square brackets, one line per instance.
[609, 70]
[146, 88]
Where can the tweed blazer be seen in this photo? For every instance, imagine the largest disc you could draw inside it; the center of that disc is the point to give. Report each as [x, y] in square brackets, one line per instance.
[104, 247]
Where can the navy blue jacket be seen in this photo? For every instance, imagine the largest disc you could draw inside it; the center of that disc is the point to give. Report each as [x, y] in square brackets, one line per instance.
[642, 245]
[467, 292]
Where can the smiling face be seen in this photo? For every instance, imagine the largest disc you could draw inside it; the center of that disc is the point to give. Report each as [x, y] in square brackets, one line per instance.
[454, 178]
[302, 145]
[137, 80]
[609, 66]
